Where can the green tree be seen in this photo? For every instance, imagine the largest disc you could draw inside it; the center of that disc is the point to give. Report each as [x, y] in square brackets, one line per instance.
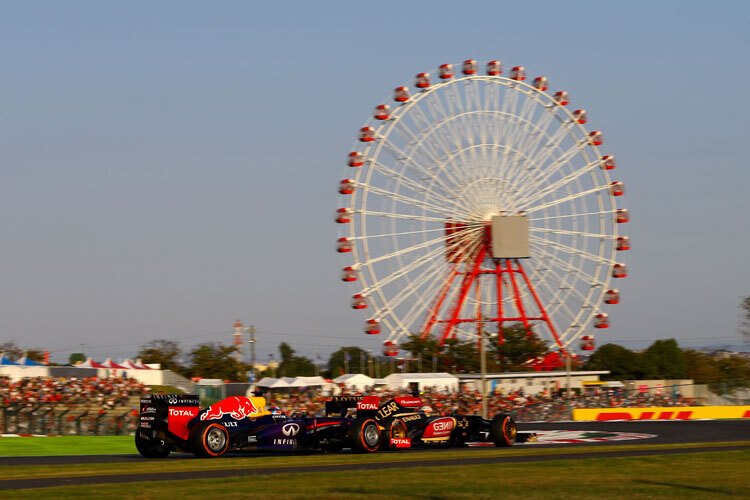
[294, 366]
[745, 319]
[518, 346]
[623, 363]
[701, 367]
[213, 360]
[337, 361]
[423, 349]
[14, 352]
[666, 360]
[459, 356]
[164, 352]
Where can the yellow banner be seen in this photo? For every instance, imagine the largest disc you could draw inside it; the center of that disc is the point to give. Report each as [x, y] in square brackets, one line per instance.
[662, 413]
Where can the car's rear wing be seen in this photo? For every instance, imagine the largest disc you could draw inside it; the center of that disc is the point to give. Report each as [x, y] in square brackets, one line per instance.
[168, 412]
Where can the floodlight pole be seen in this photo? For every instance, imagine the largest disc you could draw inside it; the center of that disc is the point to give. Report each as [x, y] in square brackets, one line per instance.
[252, 350]
[483, 364]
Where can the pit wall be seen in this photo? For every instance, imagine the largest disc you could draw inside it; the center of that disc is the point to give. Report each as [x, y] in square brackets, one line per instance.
[662, 413]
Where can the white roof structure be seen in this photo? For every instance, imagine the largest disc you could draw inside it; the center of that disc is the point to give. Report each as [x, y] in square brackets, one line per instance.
[444, 381]
[356, 381]
[308, 382]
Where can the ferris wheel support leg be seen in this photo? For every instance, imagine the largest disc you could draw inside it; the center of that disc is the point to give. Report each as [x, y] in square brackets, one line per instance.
[517, 296]
[499, 282]
[469, 278]
[545, 318]
[432, 318]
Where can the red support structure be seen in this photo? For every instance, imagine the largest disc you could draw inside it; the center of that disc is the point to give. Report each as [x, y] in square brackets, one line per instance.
[517, 284]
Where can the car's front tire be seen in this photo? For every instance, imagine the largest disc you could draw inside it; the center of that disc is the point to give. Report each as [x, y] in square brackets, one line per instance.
[503, 430]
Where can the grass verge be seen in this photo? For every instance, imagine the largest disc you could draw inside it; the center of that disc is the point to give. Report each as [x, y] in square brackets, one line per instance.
[700, 475]
[66, 445]
[267, 461]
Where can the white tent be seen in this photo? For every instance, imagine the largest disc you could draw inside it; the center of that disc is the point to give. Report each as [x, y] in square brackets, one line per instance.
[308, 382]
[439, 381]
[355, 381]
[267, 381]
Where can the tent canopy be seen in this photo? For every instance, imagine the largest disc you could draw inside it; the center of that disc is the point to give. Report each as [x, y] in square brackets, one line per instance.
[25, 361]
[6, 361]
[108, 363]
[89, 363]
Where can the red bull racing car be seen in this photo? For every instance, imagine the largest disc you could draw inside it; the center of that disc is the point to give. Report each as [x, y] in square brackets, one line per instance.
[176, 423]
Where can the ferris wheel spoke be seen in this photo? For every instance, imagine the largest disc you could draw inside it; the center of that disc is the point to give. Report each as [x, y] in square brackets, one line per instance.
[568, 268]
[550, 188]
[572, 250]
[391, 215]
[563, 159]
[568, 216]
[428, 258]
[434, 208]
[572, 233]
[416, 187]
[405, 251]
[525, 207]
[557, 302]
[402, 233]
[414, 286]
[402, 156]
[533, 141]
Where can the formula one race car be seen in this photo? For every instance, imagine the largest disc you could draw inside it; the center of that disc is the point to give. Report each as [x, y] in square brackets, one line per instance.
[404, 425]
[176, 423]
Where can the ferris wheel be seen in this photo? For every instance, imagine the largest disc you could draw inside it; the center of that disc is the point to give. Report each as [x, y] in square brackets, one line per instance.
[476, 201]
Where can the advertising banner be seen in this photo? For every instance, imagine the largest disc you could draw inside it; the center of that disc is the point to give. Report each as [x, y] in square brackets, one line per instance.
[662, 413]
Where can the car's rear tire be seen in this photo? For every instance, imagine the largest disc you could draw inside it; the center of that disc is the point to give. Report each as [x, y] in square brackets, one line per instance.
[151, 448]
[503, 430]
[396, 429]
[209, 439]
[364, 435]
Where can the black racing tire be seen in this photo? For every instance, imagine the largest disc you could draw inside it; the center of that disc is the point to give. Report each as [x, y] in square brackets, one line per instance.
[364, 435]
[152, 448]
[395, 429]
[503, 430]
[209, 439]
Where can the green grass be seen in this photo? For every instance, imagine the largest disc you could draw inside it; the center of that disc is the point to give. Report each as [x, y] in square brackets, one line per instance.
[66, 445]
[700, 475]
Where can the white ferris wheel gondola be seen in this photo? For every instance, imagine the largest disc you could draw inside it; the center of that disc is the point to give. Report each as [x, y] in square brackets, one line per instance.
[435, 178]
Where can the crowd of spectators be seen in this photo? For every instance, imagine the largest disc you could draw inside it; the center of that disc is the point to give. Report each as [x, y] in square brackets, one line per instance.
[103, 393]
[541, 406]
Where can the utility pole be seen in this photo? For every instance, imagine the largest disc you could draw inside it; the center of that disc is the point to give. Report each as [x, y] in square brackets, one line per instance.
[483, 365]
[567, 381]
[252, 350]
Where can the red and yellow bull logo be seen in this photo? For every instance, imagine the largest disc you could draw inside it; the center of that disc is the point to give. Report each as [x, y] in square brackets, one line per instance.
[237, 407]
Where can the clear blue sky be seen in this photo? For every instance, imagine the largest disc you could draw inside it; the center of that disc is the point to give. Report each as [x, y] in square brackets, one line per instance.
[169, 167]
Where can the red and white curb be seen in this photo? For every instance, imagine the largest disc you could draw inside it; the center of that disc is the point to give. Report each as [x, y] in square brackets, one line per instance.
[25, 435]
[563, 437]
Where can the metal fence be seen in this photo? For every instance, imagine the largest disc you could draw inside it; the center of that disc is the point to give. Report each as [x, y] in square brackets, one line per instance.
[58, 420]
[726, 393]
[46, 419]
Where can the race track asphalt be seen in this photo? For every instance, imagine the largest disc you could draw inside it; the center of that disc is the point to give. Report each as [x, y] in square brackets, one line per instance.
[667, 432]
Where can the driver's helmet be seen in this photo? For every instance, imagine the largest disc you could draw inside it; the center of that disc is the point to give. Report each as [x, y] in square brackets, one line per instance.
[275, 410]
[427, 409]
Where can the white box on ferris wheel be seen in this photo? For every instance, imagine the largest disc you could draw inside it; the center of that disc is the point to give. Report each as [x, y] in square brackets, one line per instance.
[510, 237]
